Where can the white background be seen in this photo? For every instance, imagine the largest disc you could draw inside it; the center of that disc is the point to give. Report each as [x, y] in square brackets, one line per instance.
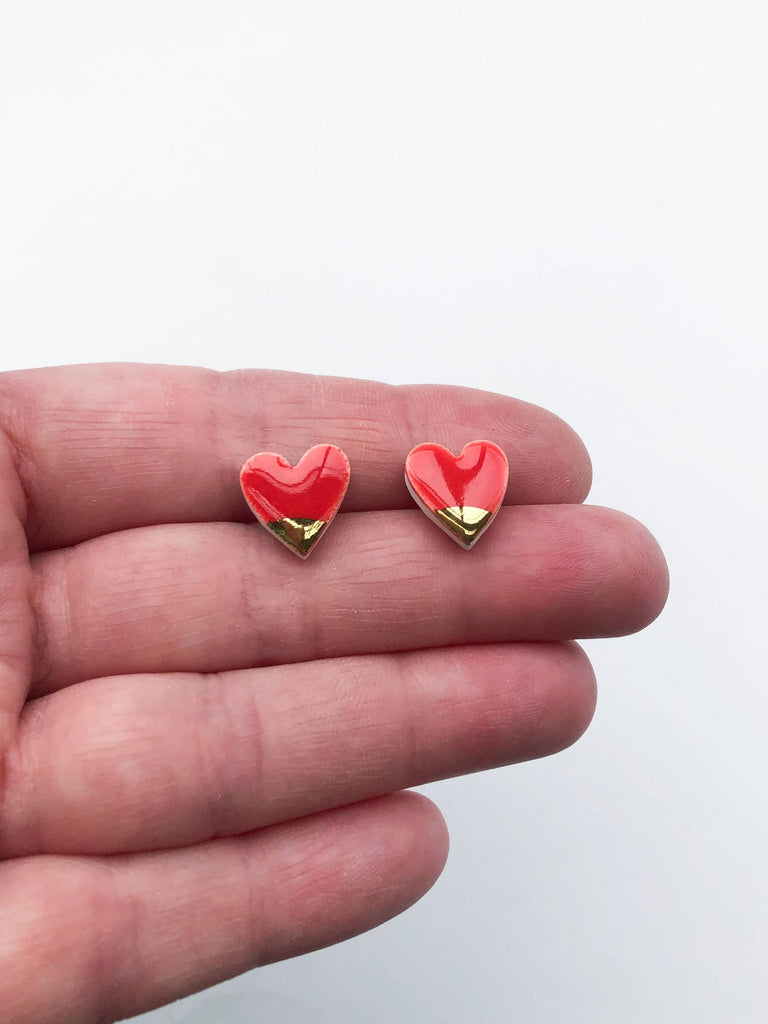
[562, 201]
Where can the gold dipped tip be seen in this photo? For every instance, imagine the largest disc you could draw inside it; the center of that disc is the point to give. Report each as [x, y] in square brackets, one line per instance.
[300, 535]
[465, 522]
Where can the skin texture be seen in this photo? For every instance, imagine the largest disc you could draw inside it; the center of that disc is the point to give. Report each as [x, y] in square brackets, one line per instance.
[204, 742]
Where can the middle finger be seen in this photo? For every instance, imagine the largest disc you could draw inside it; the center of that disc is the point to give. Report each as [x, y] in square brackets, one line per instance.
[210, 597]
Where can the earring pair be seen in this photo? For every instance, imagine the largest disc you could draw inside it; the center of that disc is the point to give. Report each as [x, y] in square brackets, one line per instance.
[460, 493]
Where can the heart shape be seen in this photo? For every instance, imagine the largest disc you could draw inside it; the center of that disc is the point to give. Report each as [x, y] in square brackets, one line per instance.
[461, 493]
[296, 503]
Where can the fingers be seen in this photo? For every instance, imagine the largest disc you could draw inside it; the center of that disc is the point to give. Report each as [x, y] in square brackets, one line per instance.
[145, 762]
[108, 447]
[87, 940]
[216, 596]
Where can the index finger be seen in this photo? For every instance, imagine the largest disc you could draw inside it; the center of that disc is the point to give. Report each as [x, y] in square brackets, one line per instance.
[108, 447]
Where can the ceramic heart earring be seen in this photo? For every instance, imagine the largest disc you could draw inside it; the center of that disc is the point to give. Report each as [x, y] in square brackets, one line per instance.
[296, 503]
[461, 493]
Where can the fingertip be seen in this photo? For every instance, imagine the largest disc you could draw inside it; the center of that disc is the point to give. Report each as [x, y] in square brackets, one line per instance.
[573, 696]
[642, 577]
[430, 839]
[571, 461]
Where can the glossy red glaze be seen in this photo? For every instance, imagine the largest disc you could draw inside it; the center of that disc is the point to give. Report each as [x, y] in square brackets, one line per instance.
[477, 478]
[312, 489]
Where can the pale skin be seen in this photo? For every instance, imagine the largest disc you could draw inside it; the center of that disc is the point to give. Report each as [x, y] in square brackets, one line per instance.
[205, 740]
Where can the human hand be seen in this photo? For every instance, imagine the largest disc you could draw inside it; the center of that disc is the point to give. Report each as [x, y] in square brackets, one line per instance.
[203, 738]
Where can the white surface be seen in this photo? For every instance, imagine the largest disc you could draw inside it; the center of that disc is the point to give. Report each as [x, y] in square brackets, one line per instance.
[562, 201]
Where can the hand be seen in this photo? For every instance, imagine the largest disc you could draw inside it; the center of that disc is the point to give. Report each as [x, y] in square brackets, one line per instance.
[204, 740]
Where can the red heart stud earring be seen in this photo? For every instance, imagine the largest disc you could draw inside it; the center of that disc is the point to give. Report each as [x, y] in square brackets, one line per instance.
[461, 493]
[296, 503]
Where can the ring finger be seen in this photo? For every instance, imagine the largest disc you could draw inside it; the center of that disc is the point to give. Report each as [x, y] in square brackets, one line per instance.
[147, 762]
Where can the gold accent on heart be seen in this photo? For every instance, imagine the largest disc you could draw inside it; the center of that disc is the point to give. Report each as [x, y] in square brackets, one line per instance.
[300, 535]
[465, 522]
